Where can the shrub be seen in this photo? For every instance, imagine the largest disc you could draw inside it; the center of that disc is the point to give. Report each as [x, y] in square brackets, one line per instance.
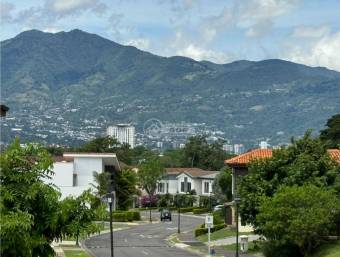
[218, 227]
[218, 218]
[200, 231]
[144, 200]
[200, 210]
[298, 216]
[120, 217]
[187, 209]
[165, 200]
[136, 215]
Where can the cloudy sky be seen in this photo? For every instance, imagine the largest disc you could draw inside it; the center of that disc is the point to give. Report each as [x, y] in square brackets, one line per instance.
[220, 31]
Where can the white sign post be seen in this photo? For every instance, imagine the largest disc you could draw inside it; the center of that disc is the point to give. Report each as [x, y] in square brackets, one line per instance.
[209, 223]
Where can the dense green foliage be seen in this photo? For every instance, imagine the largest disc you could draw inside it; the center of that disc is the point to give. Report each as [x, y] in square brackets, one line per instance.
[199, 153]
[77, 216]
[149, 173]
[222, 188]
[72, 71]
[125, 184]
[331, 135]
[304, 161]
[297, 219]
[110, 145]
[29, 208]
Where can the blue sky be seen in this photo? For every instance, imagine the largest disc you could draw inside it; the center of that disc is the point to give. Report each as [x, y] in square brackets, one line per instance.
[306, 32]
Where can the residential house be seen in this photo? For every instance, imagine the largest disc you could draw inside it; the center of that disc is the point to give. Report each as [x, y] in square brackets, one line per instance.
[73, 172]
[239, 164]
[184, 180]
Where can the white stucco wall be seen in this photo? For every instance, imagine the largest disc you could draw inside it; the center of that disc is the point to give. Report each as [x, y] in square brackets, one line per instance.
[84, 168]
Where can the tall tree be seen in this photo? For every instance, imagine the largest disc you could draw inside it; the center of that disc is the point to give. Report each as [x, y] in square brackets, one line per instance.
[297, 219]
[304, 161]
[199, 153]
[102, 183]
[126, 188]
[29, 208]
[78, 216]
[222, 185]
[149, 173]
[331, 135]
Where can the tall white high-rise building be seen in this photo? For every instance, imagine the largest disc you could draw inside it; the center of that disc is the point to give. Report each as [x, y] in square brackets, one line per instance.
[124, 133]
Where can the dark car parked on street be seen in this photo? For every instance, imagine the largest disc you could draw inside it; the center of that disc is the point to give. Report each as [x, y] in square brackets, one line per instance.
[165, 214]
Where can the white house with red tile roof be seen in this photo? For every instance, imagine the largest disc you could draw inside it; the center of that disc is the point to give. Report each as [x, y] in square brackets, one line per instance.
[73, 172]
[176, 179]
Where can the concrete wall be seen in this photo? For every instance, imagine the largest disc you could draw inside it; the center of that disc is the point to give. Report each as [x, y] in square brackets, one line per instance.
[84, 168]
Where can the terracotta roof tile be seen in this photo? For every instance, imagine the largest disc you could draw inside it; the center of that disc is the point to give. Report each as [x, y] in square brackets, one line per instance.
[244, 159]
[194, 172]
[334, 154]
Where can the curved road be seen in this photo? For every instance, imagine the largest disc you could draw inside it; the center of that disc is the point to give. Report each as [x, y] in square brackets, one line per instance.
[147, 240]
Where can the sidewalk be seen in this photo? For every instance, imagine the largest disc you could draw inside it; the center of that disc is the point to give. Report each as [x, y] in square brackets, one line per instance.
[188, 241]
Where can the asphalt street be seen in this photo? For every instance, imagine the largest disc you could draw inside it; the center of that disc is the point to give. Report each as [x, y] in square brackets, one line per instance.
[144, 240]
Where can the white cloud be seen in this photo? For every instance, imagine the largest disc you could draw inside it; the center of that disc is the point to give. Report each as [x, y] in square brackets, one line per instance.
[6, 10]
[324, 51]
[259, 29]
[255, 16]
[200, 54]
[70, 7]
[140, 43]
[51, 30]
[310, 31]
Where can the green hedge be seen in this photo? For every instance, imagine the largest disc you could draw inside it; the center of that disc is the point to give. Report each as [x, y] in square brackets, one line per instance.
[124, 216]
[187, 209]
[200, 210]
[201, 230]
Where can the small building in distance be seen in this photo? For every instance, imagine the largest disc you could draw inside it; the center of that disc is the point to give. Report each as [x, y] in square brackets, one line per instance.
[124, 133]
[184, 180]
[3, 110]
[73, 172]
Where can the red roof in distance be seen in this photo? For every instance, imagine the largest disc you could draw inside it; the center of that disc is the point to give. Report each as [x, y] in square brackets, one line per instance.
[245, 158]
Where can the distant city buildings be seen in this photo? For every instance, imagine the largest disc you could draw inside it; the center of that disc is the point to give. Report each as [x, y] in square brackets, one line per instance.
[239, 148]
[124, 133]
[264, 145]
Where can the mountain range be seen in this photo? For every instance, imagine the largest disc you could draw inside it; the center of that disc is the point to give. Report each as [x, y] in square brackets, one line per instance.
[68, 86]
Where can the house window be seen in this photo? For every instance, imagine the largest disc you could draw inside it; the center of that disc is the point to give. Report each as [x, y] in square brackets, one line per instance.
[161, 187]
[75, 182]
[206, 187]
[182, 186]
[188, 189]
[167, 187]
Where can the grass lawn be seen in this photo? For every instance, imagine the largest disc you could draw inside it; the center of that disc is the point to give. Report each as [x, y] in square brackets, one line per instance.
[328, 250]
[76, 253]
[219, 234]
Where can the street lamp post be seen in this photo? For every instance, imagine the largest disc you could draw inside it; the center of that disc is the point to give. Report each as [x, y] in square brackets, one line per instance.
[110, 199]
[179, 214]
[150, 219]
[237, 201]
